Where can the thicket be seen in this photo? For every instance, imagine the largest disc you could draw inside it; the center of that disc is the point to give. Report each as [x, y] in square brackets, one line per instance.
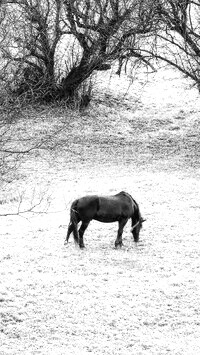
[50, 49]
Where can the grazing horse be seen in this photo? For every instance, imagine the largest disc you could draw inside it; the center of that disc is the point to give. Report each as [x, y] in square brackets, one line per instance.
[116, 208]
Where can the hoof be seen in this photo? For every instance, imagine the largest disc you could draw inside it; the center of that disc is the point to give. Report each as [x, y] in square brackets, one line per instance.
[118, 244]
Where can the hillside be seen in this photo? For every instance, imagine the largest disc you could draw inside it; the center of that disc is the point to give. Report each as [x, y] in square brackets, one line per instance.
[141, 299]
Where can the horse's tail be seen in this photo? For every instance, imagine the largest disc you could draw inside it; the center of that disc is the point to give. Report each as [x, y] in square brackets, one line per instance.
[74, 220]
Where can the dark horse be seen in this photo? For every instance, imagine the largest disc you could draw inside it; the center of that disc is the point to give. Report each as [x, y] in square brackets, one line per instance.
[116, 208]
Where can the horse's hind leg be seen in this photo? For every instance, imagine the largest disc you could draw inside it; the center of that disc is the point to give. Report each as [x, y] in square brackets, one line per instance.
[70, 230]
[82, 229]
[122, 223]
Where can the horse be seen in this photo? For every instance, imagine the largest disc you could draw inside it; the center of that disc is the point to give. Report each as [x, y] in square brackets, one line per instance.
[115, 208]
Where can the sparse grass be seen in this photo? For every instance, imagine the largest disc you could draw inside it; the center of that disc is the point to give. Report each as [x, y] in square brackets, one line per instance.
[142, 299]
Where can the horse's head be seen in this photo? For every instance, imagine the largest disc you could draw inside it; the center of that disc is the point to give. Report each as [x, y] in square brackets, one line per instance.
[136, 229]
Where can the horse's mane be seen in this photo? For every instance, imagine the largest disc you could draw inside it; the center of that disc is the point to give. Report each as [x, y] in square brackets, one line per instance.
[137, 210]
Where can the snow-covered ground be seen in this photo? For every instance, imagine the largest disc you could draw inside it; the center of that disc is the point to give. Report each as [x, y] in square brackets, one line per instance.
[141, 299]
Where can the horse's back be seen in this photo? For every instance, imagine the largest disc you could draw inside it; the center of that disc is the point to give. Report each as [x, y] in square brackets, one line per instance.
[113, 208]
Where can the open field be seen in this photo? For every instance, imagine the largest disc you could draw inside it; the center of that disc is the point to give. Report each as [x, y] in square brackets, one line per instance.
[140, 299]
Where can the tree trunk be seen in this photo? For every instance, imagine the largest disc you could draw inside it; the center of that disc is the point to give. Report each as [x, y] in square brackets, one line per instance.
[80, 73]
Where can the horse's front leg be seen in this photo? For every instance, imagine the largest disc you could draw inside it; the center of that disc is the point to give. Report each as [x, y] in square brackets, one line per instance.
[122, 223]
[82, 229]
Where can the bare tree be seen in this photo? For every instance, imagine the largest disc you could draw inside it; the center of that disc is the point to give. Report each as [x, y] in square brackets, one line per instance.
[34, 32]
[91, 35]
[177, 36]
[102, 32]
[106, 30]
[21, 142]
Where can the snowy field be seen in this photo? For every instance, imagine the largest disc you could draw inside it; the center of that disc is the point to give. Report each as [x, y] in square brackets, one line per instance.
[140, 299]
